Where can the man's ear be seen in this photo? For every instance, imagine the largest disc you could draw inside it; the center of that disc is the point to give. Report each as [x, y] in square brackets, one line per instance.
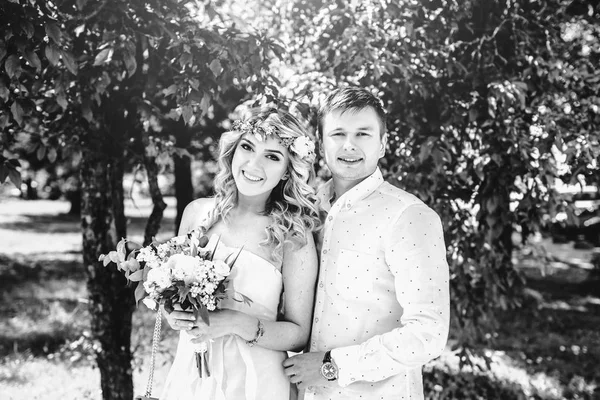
[383, 145]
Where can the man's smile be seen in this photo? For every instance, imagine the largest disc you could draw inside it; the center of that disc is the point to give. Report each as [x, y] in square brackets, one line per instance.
[350, 160]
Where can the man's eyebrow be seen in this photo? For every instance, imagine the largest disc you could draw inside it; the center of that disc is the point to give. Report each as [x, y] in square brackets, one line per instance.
[367, 128]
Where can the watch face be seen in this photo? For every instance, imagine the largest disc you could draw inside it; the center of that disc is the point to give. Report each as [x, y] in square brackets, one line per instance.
[329, 371]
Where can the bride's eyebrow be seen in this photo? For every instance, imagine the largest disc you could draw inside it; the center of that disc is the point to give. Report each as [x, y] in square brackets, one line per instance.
[245, 140]
[275, 151]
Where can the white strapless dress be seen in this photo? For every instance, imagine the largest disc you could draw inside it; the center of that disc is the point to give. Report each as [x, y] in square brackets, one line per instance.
[237, 371]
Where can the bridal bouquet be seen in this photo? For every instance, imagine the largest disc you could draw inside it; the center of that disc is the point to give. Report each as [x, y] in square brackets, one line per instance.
[180, 271]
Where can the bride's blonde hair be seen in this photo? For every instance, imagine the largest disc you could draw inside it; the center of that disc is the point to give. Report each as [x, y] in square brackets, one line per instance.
[292, 204]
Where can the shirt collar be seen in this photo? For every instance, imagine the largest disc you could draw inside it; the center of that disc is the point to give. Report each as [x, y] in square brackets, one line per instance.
[357, 193]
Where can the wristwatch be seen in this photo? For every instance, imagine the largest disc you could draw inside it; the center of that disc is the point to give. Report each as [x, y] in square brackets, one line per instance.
[328, 369]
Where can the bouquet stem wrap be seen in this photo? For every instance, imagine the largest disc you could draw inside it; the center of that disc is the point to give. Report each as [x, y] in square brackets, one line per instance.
[201, 356]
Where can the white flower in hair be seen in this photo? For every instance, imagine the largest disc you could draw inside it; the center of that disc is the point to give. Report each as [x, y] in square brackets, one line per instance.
[303, 146]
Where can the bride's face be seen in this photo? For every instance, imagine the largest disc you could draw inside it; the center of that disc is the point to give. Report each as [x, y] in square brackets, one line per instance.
[258, 165]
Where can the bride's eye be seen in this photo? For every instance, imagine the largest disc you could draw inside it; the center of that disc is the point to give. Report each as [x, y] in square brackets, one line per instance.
[246, 146]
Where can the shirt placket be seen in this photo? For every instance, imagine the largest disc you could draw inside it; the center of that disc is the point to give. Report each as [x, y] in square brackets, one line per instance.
[325, 262]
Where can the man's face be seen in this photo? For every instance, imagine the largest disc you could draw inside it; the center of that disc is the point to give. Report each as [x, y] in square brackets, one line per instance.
[352, 143]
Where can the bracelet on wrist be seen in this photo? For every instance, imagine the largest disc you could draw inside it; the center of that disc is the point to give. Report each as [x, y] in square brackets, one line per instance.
[260, 331]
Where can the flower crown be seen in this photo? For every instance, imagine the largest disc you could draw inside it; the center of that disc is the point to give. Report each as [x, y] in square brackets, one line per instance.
[302, 146]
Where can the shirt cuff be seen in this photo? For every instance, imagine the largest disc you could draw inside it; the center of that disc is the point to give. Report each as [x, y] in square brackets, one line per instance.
[346, 359]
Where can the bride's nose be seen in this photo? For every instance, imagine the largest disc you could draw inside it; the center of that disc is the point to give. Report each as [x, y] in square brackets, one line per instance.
[254, 160]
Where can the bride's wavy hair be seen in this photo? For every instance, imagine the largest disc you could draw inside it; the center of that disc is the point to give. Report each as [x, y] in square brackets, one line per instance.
[292, 204]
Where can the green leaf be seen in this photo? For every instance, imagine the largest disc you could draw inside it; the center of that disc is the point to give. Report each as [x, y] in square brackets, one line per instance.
[184, 59]
[12, 66]
[3, 173]
[104, 56]
[4, 120]
[170, 90]
[28, 29]
[136, 276]
[52, 54]
[140, 292]
[53, 31]
[3, 51]
[215, 67]
[41, 152]
[33, 60]
[187, 113]
[203, 312]
[86, 110]
[4, 92]
[17, 112]
[105, 260]
[61, 99]
[205, 103]
[130, 63]
[69, 61]
[80, 4]
[15, 177]
[52, 154]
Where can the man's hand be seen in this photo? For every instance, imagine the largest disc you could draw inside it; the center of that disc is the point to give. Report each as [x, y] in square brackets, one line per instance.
[305, 370]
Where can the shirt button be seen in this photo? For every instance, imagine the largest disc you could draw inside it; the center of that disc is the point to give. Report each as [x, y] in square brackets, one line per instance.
[321, 285]
[325, 251]
[348, 205]
[330, 218]
[316, 320]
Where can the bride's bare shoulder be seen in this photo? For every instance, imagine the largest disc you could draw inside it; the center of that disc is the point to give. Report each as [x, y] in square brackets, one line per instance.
[195, 212]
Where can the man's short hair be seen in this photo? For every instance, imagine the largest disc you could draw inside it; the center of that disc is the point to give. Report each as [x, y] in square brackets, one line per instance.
[351, 99]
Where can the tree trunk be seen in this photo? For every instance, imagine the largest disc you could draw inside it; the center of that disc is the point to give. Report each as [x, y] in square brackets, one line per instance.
[74, 198]
[184, 190]
[111, 300]
[155, 218]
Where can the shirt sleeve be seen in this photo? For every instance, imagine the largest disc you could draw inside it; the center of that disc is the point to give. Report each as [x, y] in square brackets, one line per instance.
[416, 255]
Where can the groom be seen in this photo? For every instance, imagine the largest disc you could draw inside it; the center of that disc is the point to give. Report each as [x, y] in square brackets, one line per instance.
[382, 301]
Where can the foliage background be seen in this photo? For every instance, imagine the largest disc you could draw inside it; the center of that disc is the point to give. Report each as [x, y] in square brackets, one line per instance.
[492, 106]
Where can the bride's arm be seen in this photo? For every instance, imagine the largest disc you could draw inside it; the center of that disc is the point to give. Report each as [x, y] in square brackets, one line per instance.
[300, 268]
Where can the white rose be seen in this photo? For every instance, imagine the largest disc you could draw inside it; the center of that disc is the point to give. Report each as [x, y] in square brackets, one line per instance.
[185, 266]
[159, 277]
[221, 269]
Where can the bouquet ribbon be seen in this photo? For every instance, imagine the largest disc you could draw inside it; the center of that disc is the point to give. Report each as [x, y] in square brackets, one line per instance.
[211, 385]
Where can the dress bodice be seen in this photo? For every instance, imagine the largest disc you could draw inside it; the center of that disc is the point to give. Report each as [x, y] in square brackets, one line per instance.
[252, 276]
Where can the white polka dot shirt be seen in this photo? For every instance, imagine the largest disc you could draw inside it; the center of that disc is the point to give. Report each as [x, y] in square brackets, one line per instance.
[382, 303]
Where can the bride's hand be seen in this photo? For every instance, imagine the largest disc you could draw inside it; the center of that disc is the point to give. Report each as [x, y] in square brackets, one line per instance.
[222, 323]
[180, 320]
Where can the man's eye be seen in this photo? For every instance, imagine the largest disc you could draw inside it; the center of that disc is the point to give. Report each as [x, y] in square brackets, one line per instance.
[364, 134]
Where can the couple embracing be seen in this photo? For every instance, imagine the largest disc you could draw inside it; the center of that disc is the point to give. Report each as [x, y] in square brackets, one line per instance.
[366, 297]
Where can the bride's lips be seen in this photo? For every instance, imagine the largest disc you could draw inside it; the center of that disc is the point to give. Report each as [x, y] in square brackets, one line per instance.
[251, 178]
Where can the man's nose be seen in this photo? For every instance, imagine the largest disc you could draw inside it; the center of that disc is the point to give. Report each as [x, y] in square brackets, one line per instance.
[349, 144]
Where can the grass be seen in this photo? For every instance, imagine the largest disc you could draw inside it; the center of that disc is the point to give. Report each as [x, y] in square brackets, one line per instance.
[548, 349]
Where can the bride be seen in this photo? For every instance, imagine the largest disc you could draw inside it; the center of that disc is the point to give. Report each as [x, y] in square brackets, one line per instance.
[263, 205]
